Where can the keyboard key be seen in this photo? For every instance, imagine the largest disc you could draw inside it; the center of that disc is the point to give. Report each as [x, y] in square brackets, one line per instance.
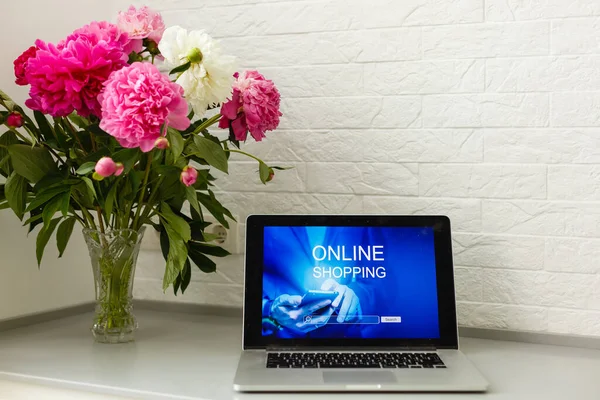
[354, 360]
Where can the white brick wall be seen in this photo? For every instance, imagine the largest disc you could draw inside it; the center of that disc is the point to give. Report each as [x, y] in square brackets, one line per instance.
[485, 110]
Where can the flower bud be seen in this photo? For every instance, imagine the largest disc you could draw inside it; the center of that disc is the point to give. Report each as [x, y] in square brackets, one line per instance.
[106, 167]
[161, 143]
[195, 56]
[271, 175]
[189, 176]
[14, 120]
[120, 168]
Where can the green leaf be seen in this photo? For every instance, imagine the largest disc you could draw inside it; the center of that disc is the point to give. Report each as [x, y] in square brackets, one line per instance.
[181, 68]
[186, 276]
[175, 222]
[2, 195]
[176, 143]
[90, 186]
[53, 181]
[204, 263]
[45, 127]
[63, 234]
[264, 172]
[60, 127]
[58, 203]
[211, 152]
[110, 200]
[282, 168]
[42, 239]
[164, 243]
[177, 256]
[177, 284]
[128, 157]
[33, 218]
[79, 121]
[7, 139]
[183, 279]
[33, 163]
[209, 249]
[45, 196]
[15, 191]
[7, 101]
[190, 193]
[215, 208]
[86, 168]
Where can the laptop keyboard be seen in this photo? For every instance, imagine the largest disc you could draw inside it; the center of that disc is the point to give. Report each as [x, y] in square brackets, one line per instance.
[354, 360]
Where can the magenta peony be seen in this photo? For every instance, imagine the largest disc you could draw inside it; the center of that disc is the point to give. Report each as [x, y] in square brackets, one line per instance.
[20, 65]
[14, 120]
[254, 106]
[138, 104]
[103, 31]
[69, 76]
[141, 24]
[189, 176]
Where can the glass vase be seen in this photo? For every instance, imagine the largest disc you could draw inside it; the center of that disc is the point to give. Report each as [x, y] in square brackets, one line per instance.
[114, 256]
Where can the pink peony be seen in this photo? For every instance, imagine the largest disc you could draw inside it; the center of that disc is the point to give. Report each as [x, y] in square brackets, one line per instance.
[141, 24]
[20, 65]
[161, 143]
[106, 167]
[138, 104]
[254, 107]
[14, 120]
[189, 176]
[69, 76]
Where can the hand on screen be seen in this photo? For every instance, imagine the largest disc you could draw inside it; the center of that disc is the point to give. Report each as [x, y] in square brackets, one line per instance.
[347, 301]
[286, 311]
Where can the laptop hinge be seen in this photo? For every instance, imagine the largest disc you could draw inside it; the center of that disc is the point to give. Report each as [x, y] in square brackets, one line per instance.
[278, 348]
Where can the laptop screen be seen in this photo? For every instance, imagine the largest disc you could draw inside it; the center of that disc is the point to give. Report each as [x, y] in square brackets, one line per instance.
[330, 282]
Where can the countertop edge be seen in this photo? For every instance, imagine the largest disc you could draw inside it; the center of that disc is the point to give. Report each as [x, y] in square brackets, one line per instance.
[580, 341]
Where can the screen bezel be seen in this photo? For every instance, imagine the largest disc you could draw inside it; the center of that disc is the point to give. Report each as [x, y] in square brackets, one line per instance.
[253, 338]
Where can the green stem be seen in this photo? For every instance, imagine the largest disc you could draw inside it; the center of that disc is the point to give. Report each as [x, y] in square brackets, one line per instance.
[149, 204]
[211, 121]
[81, 220]
[86, 214]
[54, 153]
[23, 138]
[143, 192]
[246, 154]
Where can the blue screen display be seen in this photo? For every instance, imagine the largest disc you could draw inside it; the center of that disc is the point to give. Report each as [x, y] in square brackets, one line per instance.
[349, 282]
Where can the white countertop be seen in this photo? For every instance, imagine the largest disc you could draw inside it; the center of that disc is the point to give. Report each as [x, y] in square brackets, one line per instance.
[182, 356]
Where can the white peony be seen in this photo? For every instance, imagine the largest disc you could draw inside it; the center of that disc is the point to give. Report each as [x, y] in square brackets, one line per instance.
[208, 81]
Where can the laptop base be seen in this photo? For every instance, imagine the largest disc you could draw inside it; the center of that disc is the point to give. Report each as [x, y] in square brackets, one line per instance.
[459, 376]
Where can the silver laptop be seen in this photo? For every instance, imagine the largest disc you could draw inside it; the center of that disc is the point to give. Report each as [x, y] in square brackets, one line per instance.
[351, 303]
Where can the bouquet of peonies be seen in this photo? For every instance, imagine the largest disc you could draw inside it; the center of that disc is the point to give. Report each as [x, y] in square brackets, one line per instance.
[118, 139]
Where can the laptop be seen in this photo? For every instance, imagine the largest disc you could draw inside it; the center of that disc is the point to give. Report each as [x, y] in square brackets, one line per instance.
[351, 303]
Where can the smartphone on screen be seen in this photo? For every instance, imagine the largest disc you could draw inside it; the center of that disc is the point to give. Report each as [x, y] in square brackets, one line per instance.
[315, 296]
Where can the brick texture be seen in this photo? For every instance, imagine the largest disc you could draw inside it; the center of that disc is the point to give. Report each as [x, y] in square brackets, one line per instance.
[484, 110]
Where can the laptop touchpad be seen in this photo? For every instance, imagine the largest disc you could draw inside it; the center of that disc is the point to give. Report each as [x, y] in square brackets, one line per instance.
[358, 377]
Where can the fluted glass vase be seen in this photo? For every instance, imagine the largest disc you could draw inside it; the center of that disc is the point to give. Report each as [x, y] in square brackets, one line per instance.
[114, 256]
